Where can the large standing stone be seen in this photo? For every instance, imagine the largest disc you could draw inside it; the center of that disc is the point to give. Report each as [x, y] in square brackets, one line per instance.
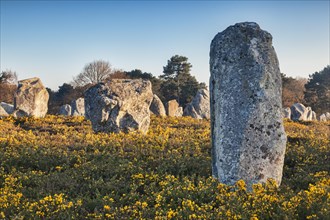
[78, 107]
[173, 109]
[248, 137]
[157, 106]
[65, 110]
[119, 105]
[199, 106]
[31, 98]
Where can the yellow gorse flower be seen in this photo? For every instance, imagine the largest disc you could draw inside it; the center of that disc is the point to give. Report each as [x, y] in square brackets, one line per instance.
[57, 167]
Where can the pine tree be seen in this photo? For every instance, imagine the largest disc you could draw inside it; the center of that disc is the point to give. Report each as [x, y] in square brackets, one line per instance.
[317, 94]
[178, 83]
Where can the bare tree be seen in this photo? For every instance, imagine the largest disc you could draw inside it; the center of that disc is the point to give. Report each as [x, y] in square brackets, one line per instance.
[292, 90]
[8, 77]
[94, 72]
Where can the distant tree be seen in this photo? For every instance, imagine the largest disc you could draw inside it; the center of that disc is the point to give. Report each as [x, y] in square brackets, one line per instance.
[8, 86]
[177, 82]
[65, 95]
[53, 106]
[292, 90]
[93, 72]
[317, 94]
[118, 74]
[138, 74]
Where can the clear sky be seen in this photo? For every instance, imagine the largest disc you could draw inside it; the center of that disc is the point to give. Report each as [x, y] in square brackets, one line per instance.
[53, 40]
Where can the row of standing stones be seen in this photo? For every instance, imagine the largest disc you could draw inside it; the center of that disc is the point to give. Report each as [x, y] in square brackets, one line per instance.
[244, 105]
[198, 108]
[298, 112]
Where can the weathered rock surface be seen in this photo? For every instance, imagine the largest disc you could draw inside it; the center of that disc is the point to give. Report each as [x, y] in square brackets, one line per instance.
[199, 106]
[248, 137]
[301, 113]
[287, 113]
[119, 105]
[7, 107]
[173, 109]
[31, 97]
[20, 113]
[311, 115]
[298, 112]
[325, 117]
[78, 107]
[157, 106]
[3, 112]
[65, 110]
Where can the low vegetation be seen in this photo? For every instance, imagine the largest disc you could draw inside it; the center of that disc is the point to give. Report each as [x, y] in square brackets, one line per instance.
[57, 168]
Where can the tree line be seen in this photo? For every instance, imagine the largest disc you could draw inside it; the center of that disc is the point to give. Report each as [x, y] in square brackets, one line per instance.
[176, 82]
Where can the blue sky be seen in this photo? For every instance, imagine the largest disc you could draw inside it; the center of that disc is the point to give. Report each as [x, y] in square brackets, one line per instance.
[53, 40]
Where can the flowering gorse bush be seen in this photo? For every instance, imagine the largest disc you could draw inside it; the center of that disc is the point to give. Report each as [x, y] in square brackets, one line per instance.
[58, 168]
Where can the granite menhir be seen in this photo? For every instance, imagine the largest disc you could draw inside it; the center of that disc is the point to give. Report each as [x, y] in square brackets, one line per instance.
[119, 105]
[248, 137]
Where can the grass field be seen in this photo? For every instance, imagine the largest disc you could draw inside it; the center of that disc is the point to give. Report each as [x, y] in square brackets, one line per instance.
[57, 168]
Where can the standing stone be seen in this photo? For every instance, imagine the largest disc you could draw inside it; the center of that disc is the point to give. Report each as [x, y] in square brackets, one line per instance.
[31, 98]
[248, 137]
[327, 114]
[199, 106]
[119, 105]
[78, 107]
[287, 113]
[157, 106]
[311, 115]
[314, 117]
[301, 113]
[325, 117]
[7, 107]
[65, 110]
[173, 109]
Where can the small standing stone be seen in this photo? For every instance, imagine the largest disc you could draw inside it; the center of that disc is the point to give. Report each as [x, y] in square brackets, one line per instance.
[248, 137]
[31, 98]
[199, 106]
[301, 113]
[78, 107]
[157, 106]
[325, 117]
[173, 109]
[65, 110]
